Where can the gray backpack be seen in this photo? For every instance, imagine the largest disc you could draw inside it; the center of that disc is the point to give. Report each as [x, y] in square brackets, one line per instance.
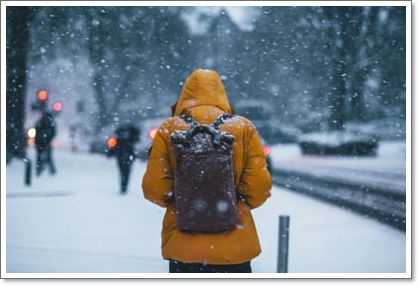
[204, 192]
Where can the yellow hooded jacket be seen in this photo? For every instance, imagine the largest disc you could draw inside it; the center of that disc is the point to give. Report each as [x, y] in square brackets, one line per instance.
[203, 97]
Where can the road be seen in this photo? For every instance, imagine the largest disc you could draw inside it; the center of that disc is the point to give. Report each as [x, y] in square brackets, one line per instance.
[372, 186]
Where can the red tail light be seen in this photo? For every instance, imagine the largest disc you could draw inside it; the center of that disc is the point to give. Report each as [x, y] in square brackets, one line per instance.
[152, 133]
[112, 142]
[57, 107]
[266, 150]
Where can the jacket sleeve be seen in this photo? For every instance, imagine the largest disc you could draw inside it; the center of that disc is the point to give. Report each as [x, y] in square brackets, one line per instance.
[158, 180]
[255, 183]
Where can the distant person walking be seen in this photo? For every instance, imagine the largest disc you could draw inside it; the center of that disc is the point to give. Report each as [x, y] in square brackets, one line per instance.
[126, 137]
[45, 132]
[204, 99]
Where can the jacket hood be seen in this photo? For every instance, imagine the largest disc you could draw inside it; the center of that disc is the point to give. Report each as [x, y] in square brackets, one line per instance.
[203, 87]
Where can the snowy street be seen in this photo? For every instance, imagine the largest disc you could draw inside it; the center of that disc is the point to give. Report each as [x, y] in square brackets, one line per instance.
[76, 222]
[373, 186]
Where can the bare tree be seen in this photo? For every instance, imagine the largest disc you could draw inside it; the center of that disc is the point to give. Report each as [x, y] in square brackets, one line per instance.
[18, 19]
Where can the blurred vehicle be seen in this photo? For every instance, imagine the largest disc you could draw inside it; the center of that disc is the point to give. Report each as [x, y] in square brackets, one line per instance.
[388, 129]
[267, 151]
[104, 143]
[275, 133]
[343, 143]
[148, 129]
[98, 143]
[261, 115]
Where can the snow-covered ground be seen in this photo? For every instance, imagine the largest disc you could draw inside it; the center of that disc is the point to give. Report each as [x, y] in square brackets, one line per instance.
[75, 224]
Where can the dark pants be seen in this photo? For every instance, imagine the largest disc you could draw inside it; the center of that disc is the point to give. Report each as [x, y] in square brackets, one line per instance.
[180, 267]
[124, 164]
[44, 158]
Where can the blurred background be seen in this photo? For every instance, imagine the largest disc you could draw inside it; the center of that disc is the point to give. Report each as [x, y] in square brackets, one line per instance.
[297, 69]
[325, 87]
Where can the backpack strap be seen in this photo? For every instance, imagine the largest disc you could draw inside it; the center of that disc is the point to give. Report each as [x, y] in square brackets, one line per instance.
[221, 120]
[218, 122]
[189, 120]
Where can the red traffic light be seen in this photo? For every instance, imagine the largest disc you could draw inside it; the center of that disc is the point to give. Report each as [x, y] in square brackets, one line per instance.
[57, 106]
[42, 95]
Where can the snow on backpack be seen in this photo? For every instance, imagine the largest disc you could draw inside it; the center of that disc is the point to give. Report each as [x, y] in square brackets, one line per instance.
[204, 192]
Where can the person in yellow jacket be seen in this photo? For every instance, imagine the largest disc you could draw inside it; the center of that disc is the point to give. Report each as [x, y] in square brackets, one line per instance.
[204, 98]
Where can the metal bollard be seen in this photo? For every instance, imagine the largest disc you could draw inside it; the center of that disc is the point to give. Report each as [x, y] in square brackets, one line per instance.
[283, 252]
[28, 171]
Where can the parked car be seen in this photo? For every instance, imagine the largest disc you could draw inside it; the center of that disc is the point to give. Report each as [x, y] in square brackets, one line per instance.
[342, 143]
[261, 115]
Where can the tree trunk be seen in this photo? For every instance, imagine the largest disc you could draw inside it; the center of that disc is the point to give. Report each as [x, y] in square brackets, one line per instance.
[337, 32]
[96, 46]
[16, 62]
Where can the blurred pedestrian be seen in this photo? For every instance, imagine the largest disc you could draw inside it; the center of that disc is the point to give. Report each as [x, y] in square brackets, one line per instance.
[45, 133]
[126, 137]
[204, 99]
[73, 131]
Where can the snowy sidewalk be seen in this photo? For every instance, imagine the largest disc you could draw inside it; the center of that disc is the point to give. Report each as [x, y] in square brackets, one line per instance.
[76, 222]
